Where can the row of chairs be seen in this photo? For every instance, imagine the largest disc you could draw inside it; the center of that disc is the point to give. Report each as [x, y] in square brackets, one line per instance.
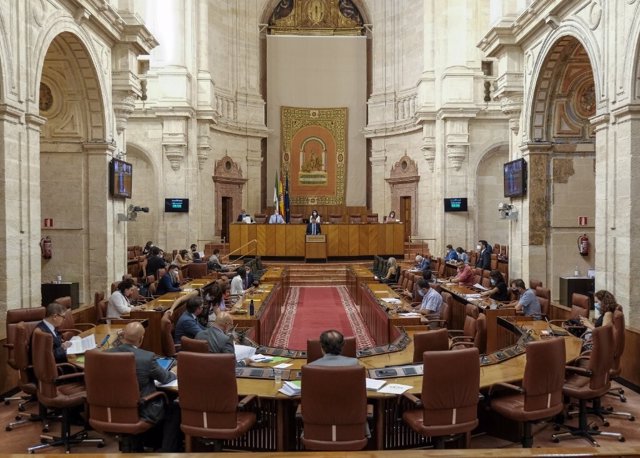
[298, 218]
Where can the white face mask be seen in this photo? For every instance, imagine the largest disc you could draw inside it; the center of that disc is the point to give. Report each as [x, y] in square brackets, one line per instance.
[478, 247]
[421, 292]
[493, 282]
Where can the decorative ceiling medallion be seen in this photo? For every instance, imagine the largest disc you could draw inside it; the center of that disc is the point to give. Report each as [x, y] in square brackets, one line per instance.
[595, 14]
[46, 97]
[585, 101]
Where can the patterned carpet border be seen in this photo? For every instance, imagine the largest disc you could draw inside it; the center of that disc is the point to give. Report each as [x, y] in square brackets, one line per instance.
[284, 328]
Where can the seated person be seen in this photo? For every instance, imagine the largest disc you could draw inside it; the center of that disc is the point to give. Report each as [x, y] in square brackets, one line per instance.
[170, 281]
[431, 300]
[276, 218]
[214, 262]
[195, 254]
[499, 290]
[182, 258]
[242, 216]
[120, 300]
[53, 319]
[528, 303]
[313, 227]
[391, 218]
[605, 305]
[155, 261]
[451, 255]
[219, 336]
[188, 324]
[464, 275]
[332, 342]
[462, 255]
[422, 263]
[392, 271]
[239, 283]
[166, 417]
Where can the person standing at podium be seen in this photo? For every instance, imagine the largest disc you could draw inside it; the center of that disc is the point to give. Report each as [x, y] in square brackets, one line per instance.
[276, 218]
[313, 228]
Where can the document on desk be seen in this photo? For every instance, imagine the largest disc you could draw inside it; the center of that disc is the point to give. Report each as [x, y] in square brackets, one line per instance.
[244, 351]
[480, 287]
[373, 384]
[392, 300]
[394, 388]
[81, 345]
[258, 358]
[409, 314]
[171, 384]
[472, 296]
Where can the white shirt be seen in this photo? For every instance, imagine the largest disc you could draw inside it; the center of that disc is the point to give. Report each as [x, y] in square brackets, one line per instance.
[314, 220]
[236, 285]
[118, 305]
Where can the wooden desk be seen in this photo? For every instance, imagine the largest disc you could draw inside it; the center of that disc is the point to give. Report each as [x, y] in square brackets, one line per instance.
[315, 247]
[267, 302]
[343, 240]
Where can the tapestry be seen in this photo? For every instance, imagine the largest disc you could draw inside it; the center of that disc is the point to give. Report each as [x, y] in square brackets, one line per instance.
[314, 154]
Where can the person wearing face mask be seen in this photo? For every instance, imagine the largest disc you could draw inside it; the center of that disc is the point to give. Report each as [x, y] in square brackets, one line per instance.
[431, 300]
[528, 303]
[462, 255]
[499, 290]
[464, 275]
[170, 282]
[451, 255]
[605, 305]
[219, 336]
[484, 259]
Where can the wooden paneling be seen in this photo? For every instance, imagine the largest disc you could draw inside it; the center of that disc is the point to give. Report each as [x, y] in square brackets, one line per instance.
[630, 361]
[280, 239]
[354, 239]
[298, 232]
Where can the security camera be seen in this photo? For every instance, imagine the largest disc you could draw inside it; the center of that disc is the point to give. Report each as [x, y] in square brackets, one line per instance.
[141, 209]
[501, 206]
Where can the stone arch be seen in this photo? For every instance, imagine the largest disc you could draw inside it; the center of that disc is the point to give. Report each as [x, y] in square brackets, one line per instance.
[542, 70]
[489, 193]
[403, 181]
[228, 182]
[631, 63]
[80, 44]
[270, 5]
[6, 62]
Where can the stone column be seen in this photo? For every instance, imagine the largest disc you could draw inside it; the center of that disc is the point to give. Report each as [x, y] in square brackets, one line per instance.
[380, 199]
[251, 193]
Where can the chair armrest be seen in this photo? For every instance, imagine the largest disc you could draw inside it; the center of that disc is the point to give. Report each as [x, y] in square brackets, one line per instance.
[509, 386]
[10, 346]
[461, 344]
[417, 402]
[457, 339]
[68, 367]
[299, 412]
[73, 331]
[427, 320]
[455, 331]
[244, 402]
[579, 370]
[68, 378]
[152, 396]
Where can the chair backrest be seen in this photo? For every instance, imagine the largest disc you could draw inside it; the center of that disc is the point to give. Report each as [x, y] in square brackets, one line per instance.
[577, 312]
[260, 218]
[446, 309]
[112, 410]
[436, 340]
[194, 345]
[26, 379]
[166, 334]
[533, 284]
[372, 218]
[450, 390]
[486, 282]
[101, 310]
[544, 297]
[14, 317]
[314, 349]
[335, 219]
[214, 407]
[341, 423]
[580, 300]
[480, 338]
[618, 340]
[44, 365]
[64, 301]
[601, 357]
[197, 270]
[296, 218]
[471, 310]
[544, 374]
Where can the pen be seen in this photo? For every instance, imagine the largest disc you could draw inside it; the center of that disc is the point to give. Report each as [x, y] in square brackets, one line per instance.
[104, 341]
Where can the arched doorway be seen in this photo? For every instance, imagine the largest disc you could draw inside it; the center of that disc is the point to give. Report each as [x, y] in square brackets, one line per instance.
[562, 164]
[228, 183]
[73, 166]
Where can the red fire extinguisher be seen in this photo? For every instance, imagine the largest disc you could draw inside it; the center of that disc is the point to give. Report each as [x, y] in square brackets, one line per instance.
[45, 247]
[583, 245]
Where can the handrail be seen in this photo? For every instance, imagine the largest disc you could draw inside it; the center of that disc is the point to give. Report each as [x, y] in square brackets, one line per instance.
[254, 241]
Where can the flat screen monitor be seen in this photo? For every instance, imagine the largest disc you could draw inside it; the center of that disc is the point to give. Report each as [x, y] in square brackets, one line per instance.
[176, 205]
[455, 204]
[120, 178]
[515, 178]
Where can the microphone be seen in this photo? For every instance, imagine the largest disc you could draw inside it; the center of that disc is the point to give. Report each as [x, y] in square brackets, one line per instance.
[550, 329]
[104, 341]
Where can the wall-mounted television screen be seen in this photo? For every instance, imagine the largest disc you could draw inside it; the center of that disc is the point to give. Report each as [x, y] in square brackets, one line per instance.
[455, 204]
[515, 178]
[120, 178]
[176, 205]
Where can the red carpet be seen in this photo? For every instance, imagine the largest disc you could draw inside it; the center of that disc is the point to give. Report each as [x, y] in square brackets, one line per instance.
[311, 310]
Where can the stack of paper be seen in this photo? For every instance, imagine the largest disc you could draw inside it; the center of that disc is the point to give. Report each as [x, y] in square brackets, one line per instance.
[394, 388]
[373, 384]
[81, 345]
[258, 358]
[244, 351]
[291, 388]
[480, 287]
[391, 300]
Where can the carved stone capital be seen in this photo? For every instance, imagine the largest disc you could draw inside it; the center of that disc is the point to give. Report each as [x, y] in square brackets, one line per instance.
[123, 107]
[204, 147]
[175, 153]
[456, 153]
[511, 105]
[428, 149]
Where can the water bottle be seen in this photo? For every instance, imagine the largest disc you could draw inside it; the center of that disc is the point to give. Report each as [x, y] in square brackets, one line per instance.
[576, 272]
[58, 279]
[252, 309]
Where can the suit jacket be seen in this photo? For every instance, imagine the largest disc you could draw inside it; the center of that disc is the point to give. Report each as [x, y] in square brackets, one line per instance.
[218, 341]
[335, 360]
[148, 370]
[59, 353]
[187, 325]
[484, 260]
[166, 285]
[310, 229]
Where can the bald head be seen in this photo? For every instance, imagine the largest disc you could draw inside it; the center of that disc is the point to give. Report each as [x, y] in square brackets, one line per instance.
[133, 333]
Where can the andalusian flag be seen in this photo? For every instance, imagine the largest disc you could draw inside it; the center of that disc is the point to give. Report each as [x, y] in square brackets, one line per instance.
[275, 192]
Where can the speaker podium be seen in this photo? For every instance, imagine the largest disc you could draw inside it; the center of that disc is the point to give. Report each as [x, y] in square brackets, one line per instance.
[315, 247]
